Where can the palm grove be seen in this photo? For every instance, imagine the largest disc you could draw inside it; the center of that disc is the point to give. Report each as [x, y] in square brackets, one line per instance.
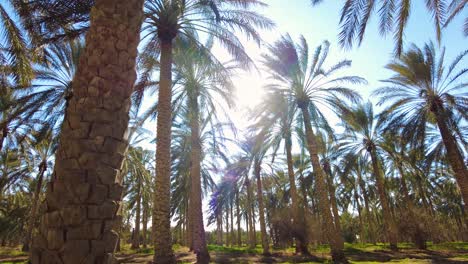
[75, 182]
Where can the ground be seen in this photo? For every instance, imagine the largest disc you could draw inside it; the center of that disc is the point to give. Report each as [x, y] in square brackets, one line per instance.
[356, 253]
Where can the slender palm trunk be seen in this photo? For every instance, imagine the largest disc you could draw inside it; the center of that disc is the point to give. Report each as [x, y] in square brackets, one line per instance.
[359, 210]
[163, 252]
[233, 236]
[370, 220]
[300, 234]
[219, 220]
[3, 136]
[145, 226]
[238, 217]
[84, 195]
[228, 240]
[33, 214]
[261, 208]
[196, 214]
[331, 232]
[136, 236]
[387, 215]
[334, 204]
[455, 157]
[251, 233]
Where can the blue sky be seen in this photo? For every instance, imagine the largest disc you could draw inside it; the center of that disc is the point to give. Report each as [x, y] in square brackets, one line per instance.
[318, 23]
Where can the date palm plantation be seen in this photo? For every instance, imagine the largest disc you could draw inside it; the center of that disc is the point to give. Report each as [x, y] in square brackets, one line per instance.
[167, 20]
[267, 151]
[425, 90]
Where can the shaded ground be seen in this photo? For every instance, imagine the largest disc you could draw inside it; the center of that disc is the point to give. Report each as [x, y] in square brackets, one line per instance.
[452, 253]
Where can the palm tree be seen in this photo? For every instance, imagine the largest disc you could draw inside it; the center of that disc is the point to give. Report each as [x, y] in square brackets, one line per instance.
[201, 80]
[139, 181]
[15, 47]
[455, 8]
[43, 148]
[423, 91]
[393, 18]
[310, 85]
[84, 194]
[167, 20]
[276, 117]
[362, 137]
[48, 97]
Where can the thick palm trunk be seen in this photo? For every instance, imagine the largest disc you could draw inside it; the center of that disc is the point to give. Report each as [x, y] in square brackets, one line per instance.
[238, 217]
[251, 232]
[261, 208]
[196, 214]
[298, 223]
[136, 236]
[388, 220]
[455, 157]
[332, 234]
[83, 197]
[33, 214]
[163, 252]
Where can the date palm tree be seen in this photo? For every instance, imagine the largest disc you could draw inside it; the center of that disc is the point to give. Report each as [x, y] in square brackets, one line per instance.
[203, 85]
[167, 20]
[42, 148]
[84, 193]
[311, 86]
[275, 116]
[393, 18]
[362, 137]
[424, 91]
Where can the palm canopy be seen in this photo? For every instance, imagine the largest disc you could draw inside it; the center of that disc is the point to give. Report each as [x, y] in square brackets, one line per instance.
[361, 131]
[47, 97]
[422, 85]
[217, 19]
[393, 18]
[305, 79]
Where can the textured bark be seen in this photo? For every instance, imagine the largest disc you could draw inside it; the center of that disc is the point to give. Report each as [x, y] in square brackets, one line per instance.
[388, 220]
[261, 208]
[82, 200]
[33, 214]
[300, 235]
[455, 157]
[136, 236]
[198, 229]
[163, 252]
[333, 236]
